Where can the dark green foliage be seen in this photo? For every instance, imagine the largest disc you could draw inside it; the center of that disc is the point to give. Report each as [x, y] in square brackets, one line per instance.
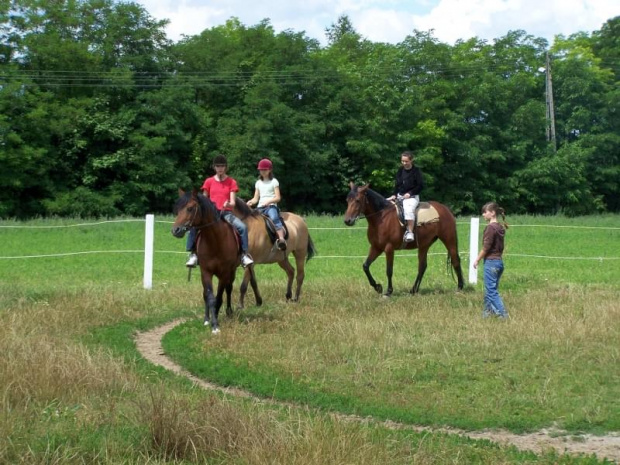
[100, 114]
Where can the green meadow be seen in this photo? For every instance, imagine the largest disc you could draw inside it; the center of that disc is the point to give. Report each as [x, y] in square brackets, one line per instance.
[74, 388]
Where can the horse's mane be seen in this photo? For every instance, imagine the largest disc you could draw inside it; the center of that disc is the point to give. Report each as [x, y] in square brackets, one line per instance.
[244, 210]
[204, 204]
[377, 201]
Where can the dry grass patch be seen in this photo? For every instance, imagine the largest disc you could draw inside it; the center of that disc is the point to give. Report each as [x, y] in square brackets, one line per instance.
[432, 357]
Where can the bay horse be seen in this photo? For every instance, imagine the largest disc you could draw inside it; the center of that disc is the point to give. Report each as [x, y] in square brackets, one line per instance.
[217, 248]
[385, 234]
[263, 250]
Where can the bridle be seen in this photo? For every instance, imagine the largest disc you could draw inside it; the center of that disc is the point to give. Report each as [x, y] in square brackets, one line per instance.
[190, 222]
[362, 208]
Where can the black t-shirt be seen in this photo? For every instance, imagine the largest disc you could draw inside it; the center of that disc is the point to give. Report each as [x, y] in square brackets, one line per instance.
[408, 181]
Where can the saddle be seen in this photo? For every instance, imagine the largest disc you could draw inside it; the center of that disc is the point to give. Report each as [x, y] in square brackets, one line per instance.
[424, 213]
[271, 228]
[235, 233]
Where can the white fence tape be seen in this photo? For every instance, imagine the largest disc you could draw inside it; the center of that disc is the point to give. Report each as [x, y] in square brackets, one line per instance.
[149, 246]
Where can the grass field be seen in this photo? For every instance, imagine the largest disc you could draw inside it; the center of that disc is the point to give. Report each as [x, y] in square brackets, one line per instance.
[75, 390]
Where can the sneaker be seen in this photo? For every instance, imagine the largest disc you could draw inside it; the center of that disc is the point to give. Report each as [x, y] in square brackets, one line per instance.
[408, 236]
[281, 244]
[192, 261]
[246, 260]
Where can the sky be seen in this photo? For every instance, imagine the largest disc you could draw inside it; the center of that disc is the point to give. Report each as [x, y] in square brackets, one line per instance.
[391, 20]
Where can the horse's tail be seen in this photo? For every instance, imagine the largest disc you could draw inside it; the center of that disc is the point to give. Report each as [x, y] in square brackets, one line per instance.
[311, 249]
[449, 266]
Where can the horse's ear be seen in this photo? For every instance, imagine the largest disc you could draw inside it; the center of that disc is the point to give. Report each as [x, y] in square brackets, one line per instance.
[181, 192]
[194, 192]
[351, 185]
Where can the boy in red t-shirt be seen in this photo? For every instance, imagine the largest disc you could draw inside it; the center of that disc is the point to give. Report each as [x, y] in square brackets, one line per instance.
[221, 189]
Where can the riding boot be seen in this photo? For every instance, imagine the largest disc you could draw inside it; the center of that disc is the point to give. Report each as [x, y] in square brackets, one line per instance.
[280, 242]
[409, 233]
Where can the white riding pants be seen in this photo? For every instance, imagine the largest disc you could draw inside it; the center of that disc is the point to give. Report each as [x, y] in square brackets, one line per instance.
[409, 206]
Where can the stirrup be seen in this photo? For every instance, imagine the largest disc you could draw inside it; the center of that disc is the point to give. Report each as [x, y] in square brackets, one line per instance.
[246, 260]
[192, 261]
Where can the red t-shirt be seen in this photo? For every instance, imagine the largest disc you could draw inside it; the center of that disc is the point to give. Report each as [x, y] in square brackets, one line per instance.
[219, 191]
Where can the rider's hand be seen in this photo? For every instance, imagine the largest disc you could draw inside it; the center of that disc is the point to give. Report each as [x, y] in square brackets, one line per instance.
[391, 198]
[250, 203]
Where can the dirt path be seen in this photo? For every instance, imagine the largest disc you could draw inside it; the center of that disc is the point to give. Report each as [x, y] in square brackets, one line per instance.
[149, 345]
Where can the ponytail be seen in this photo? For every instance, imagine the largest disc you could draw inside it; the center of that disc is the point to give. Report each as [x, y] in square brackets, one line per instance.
[495, 208]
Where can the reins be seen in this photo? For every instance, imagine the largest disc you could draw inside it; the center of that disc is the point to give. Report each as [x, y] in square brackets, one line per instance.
[361, 217]
[191, 221]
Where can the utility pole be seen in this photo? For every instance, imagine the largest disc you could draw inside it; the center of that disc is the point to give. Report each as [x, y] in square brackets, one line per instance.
[549, 99]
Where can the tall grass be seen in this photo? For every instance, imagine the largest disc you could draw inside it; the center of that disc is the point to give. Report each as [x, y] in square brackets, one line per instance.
[74, 389]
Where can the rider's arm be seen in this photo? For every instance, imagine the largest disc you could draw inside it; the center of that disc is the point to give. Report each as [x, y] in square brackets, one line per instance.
[276, 198]
[254, 200]
[231, 201]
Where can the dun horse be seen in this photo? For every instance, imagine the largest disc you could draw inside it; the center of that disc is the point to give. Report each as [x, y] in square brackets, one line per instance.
[217, 248]
[263, 251]
[385, 234]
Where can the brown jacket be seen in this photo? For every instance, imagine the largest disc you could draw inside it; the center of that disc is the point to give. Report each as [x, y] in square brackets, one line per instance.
[493, 241]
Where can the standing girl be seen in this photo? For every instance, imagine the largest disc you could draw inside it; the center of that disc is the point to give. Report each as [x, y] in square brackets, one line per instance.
[492, 250]
[267, 196]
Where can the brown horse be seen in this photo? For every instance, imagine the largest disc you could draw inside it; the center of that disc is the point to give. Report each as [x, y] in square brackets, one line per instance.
[217, 248]
[264, 251]
[385, 234]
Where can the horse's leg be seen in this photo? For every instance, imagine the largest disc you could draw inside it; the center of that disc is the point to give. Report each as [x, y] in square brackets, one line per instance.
[215, 327]
[373, 253]
[300, 260]
[422, 263]
[389, 269]
[456, 264]
[209, 298]
[250, 272]
[229, 310]
[244, 288]
[455, 259]
[290, 274]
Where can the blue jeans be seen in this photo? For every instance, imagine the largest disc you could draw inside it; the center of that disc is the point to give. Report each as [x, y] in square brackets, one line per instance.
[190, 244]
[493, 303]
[228, 216]
[272, 212]
[240, 226]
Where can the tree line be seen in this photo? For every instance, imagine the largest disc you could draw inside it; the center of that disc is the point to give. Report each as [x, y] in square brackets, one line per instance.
[102, 115]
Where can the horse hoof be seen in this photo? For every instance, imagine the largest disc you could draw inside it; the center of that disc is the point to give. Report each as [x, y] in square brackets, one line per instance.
[259, 302]
[206, 323]
[379, 288]
[215, 331]
[386, 296]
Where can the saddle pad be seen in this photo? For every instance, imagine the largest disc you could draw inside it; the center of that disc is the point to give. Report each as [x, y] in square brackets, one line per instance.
[427, 215]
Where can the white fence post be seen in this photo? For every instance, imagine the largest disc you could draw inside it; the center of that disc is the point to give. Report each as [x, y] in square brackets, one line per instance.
[148, 250]
[473, 249]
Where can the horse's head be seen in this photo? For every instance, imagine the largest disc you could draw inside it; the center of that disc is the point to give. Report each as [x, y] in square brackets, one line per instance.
[192, 210]
[185, 209]
[356, 203]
